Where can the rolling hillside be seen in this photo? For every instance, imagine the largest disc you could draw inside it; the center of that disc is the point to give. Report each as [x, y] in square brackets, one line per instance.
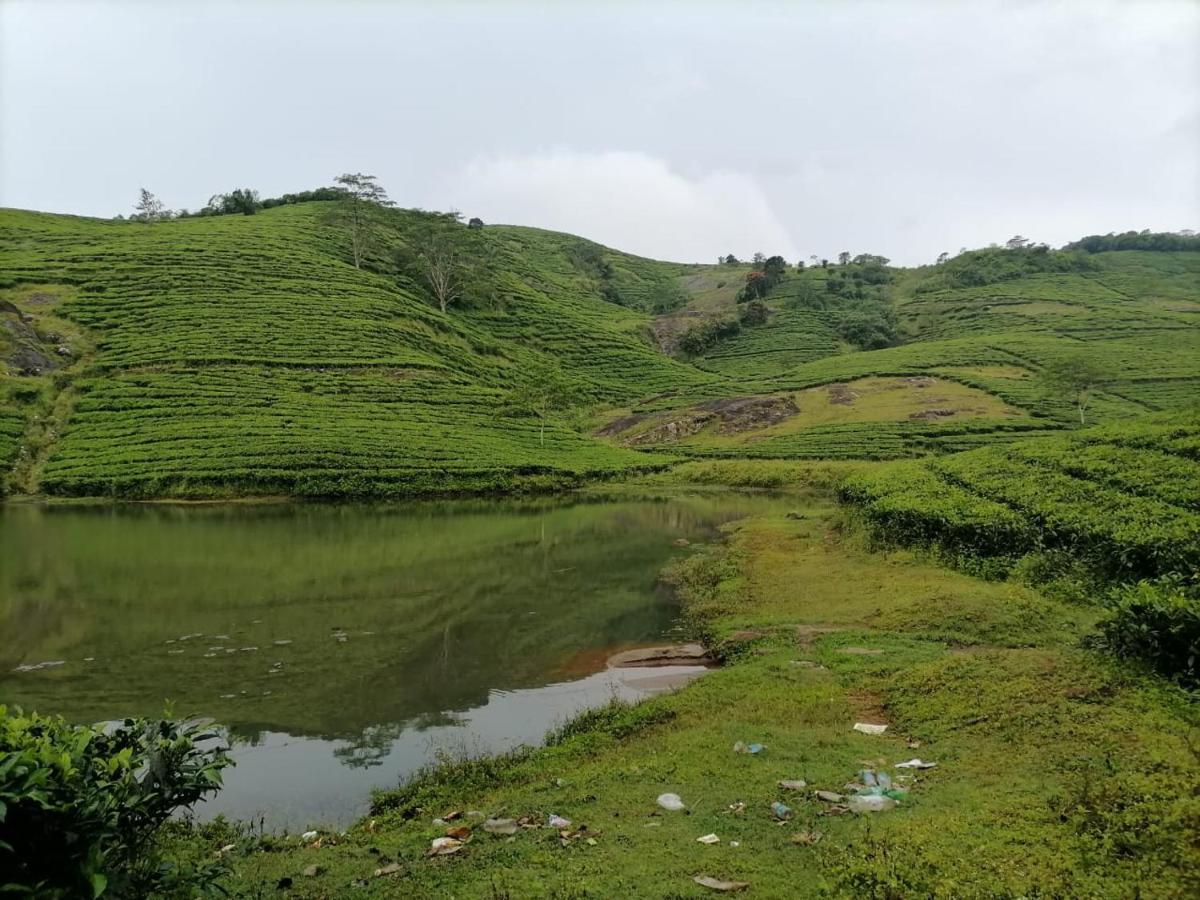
[246, 355]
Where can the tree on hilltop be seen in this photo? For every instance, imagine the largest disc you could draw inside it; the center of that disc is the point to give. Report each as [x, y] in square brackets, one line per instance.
[240, 200]
[363, 196]
[149, 208]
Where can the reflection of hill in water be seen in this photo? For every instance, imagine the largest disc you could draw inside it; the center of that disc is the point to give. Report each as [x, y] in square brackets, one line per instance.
[440, 603]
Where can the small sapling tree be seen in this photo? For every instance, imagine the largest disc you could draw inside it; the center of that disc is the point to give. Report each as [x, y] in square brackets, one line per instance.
[1073, 377]
[544, 392]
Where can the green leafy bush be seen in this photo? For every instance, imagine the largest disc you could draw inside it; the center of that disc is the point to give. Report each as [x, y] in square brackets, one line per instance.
[80, 807]
[1159, 622]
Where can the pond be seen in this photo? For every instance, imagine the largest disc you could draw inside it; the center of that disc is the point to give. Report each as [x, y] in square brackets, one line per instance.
[340, 648]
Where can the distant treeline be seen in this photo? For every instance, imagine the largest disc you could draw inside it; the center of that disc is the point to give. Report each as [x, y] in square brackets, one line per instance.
[246, 202]
[1137, 240]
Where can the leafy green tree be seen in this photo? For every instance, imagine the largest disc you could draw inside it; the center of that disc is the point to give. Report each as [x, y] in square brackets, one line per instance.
[241, 200]
[362, 198]
[844, 258]
[1073, 377]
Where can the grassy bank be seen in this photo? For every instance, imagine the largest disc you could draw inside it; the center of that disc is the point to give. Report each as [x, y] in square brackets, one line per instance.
[1060, 772]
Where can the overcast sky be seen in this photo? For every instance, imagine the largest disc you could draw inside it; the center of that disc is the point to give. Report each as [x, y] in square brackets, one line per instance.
[674, 130]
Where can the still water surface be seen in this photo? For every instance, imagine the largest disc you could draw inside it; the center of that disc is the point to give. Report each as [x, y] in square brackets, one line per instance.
[340, 647]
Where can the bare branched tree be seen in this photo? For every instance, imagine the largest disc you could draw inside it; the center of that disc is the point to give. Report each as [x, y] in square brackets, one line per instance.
[364, 196]
[149, 208]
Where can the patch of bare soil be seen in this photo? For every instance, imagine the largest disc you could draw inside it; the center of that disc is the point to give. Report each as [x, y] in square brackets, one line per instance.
[624, 423]
[669, 432]
[738, 414]
[669, 655]
[841, 394]
[29, 356]
[929, 415]
[732, 415]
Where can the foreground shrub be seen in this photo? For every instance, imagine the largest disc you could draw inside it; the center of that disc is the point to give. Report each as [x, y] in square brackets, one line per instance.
[1158, 622]
[81, 807]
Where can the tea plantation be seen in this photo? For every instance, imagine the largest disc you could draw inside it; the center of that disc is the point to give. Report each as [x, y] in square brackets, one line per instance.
[232, 355]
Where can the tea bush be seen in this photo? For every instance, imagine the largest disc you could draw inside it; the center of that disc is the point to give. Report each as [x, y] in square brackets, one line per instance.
[80, 807]
[1158, 622]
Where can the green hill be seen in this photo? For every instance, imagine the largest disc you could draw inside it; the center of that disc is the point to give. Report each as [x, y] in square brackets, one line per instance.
[234, 354]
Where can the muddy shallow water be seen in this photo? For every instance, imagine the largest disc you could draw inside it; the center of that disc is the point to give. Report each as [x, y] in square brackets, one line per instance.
[341, 647]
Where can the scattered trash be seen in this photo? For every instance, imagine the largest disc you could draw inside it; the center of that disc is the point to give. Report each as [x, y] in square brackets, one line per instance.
[49, 664]
[229, 696]
[444, 846]
[283, 643]
[452, 815]
[829, 796]
[176, 652]
[389, 869]
[247, 649]
[474, 814]
[806, 664]
[220, 637]
[718, 885]
[209, 655]
[228, 848]
[672, 802]
[781, 811]
[439, 822]
[681, 542]
[793, 784]
[188, 637]
[312, 871]
[863, 803]
[89, 659]
[735, 843]
[916, 764]
[741, 747]
[309, 835]
[806, 838]
[500, 826]
[459, 832]
[868, 728]
[912, 743]
[559, 822]
[737, 808]
[708, 839]
[591, 842]
[838, 809]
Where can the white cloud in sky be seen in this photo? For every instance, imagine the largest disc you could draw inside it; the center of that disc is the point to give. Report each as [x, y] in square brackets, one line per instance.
[628, 200]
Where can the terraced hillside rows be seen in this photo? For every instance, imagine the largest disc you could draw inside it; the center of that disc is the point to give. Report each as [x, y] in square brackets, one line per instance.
[1123, 499]
[244, 354]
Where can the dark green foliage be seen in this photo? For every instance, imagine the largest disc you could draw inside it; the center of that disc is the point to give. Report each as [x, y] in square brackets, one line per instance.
[707, 334]
[754, 313]
[1158, 622]
[1075, 495]
[1161, 241]
[996, 264]
[80, 807]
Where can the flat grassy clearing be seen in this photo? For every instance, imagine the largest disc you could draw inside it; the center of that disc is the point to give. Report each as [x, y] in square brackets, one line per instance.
[1078, 758]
